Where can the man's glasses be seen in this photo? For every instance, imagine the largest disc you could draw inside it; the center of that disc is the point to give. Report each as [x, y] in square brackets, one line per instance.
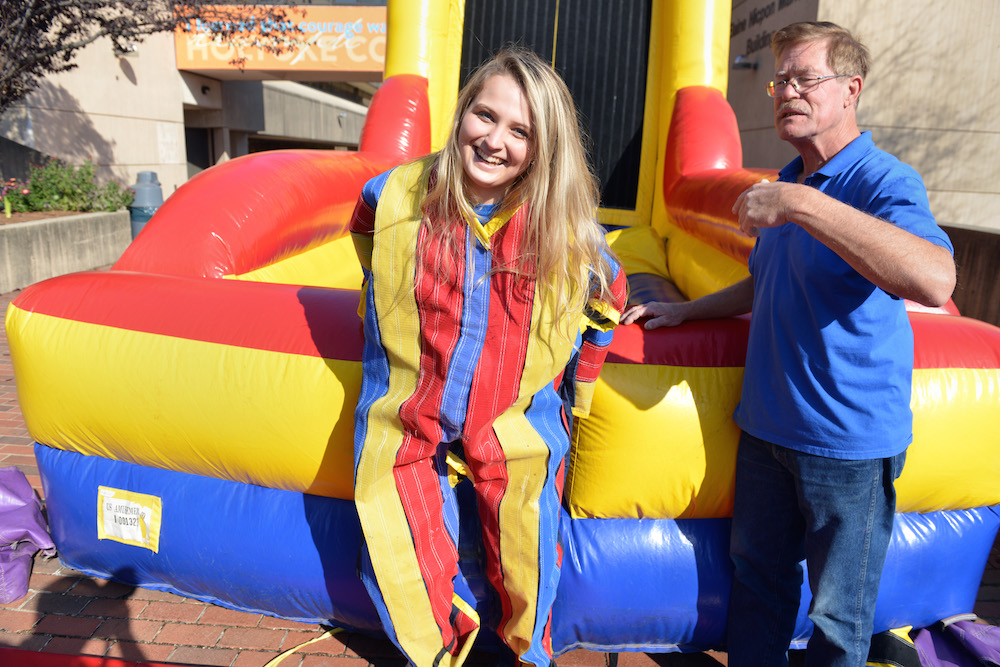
[800, 84]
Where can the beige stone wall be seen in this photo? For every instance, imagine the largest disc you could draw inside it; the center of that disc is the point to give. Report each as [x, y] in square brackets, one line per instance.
[752, 24]
[41, 249]
[931, 98]
[122, 112]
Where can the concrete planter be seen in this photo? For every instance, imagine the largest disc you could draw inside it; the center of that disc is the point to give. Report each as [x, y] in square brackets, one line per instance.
[33, 251]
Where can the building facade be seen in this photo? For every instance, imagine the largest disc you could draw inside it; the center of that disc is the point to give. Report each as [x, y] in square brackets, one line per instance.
[930, 98]
[175, 104]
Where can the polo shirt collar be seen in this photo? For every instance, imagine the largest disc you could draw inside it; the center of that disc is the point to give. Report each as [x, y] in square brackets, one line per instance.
[847, 156]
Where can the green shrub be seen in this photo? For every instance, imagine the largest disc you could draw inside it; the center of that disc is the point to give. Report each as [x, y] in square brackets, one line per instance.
[58, 186]
[13, 194]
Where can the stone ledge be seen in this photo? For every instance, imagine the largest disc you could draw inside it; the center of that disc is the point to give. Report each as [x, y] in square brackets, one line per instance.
[34, 251]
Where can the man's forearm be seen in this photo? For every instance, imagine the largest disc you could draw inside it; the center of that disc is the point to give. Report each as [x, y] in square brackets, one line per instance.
[737, 299]
[890, 257]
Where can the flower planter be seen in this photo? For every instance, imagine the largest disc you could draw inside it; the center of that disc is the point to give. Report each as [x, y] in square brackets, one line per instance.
[41, 249]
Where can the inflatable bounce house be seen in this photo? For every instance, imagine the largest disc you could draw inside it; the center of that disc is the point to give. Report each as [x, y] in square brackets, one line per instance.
[193, 406]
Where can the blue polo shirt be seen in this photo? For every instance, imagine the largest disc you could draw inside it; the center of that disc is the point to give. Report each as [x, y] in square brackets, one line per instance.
[830, 355]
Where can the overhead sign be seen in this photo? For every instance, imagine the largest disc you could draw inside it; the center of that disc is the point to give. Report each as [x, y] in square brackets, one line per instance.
[753, 24]
[323, 41]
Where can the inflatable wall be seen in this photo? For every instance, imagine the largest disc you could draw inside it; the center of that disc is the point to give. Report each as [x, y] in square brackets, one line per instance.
[193, 406]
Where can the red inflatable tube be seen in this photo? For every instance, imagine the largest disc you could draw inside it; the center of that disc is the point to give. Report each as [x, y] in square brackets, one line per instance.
[288, 319]
[260, 208]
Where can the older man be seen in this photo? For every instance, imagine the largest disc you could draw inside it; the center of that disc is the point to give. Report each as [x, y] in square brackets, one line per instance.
[843, 237]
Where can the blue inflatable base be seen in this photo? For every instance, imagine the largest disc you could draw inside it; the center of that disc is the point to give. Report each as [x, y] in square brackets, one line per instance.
[653, 585]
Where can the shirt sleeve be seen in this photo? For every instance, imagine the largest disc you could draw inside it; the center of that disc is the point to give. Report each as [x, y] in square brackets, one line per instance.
[901, 198]
[362, 225]
[601, 318]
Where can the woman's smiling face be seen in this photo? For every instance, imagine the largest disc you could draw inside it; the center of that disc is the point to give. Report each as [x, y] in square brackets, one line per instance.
[495, 139]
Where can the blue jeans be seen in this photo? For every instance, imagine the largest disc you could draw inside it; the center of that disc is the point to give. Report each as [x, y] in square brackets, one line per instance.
[835, 514]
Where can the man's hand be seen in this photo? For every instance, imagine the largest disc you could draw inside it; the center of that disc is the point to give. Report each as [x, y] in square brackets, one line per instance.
[661, 314]
[760, 205]
[736, 299]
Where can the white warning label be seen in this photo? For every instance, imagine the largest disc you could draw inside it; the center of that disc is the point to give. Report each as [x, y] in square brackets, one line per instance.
[129, 518]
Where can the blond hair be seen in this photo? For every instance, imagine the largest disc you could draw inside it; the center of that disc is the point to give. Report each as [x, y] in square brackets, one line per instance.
[564, 246]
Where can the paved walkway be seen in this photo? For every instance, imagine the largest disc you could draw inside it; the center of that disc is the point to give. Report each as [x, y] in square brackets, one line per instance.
[70, 613]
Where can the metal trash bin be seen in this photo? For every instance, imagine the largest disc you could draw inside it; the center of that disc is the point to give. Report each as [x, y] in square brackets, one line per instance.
[148, 198]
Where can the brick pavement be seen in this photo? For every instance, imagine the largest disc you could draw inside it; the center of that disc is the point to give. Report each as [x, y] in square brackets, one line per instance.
[70, 613]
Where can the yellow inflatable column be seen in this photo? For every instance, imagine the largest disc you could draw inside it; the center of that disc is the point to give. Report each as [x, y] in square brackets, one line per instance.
[693, 50]
[425, 38]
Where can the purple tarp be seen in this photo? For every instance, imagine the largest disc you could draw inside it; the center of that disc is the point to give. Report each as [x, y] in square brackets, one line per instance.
[22, 533]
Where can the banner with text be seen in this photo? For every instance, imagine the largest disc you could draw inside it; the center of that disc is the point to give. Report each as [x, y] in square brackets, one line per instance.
[318, 39]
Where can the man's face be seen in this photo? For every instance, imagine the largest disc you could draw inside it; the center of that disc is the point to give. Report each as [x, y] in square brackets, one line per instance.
[819, 112]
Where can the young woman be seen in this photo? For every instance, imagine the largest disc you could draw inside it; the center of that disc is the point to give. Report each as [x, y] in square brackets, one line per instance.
[483, 264]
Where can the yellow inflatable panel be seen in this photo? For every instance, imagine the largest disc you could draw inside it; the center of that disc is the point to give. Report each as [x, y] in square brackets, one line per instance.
[954, 461]
[641, 250]
[333, 264]
[661, 443]
[268, 418]
[699, 269]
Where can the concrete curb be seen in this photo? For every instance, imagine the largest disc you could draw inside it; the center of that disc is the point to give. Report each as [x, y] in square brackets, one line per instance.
[41, 249]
